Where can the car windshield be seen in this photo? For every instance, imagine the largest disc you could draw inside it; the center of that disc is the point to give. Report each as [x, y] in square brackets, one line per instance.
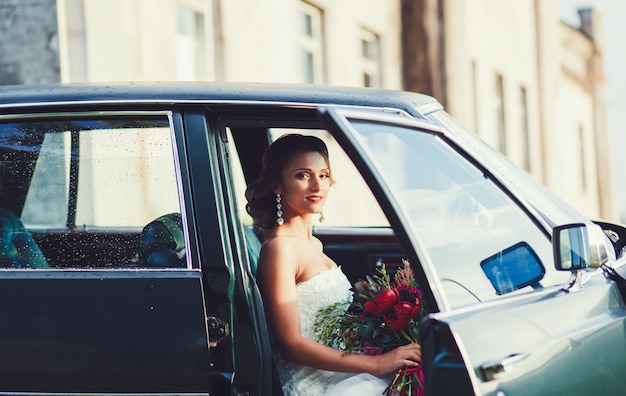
[461, 217]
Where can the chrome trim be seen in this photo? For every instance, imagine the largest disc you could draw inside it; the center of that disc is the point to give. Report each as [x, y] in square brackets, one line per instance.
[428, 108]
[388, 117]
[101, 113]
[348, 231]
[99, 394]
[175, 102]
[485, 306]
[179, 187]
[97, 272]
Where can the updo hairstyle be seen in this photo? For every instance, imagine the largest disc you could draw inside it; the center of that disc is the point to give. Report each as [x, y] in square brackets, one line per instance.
[260, 193]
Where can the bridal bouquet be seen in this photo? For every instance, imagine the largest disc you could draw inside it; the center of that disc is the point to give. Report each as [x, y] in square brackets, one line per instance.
[383, 315]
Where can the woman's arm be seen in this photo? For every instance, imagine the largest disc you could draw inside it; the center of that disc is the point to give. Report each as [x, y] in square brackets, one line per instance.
[277, 271]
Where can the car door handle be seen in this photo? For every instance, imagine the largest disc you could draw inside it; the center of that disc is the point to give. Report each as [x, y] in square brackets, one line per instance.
[491, 370]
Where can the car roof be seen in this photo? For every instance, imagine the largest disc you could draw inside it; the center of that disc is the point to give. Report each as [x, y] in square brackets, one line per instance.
[16, 96]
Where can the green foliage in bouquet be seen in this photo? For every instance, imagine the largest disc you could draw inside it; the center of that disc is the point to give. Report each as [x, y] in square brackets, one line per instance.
[384, 314]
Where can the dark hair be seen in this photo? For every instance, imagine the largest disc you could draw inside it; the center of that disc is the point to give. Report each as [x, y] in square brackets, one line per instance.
[260, 195]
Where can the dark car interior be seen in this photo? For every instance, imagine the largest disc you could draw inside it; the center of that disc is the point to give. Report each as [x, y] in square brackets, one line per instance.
[18, 249]
[360, 251]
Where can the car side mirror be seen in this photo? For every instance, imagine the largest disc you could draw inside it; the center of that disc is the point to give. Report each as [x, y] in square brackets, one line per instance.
[578, 246]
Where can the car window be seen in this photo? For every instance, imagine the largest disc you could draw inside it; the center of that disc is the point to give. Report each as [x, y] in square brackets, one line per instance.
[95, 192]
[465, 221]
[342, 209]
[350, 209]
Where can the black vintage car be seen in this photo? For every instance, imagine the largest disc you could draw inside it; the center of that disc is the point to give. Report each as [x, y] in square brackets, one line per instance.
[128, 260]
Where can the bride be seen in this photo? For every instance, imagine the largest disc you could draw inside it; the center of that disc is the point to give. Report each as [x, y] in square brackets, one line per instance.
[296, 278]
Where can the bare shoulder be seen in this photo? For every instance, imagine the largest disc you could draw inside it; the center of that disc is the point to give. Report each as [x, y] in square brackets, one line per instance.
[277, 254]
[278, 246]
[318, 243]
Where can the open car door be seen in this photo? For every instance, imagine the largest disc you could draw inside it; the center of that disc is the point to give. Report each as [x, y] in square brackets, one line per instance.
[502, 320]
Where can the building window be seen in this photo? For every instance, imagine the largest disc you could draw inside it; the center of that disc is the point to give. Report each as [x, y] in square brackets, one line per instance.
[312, 44]
[370, 59]
[500, 114]
[525, 129]
[190, 45]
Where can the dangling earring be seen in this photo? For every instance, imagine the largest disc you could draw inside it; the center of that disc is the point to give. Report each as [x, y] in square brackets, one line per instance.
[279, 212]
[321, 219]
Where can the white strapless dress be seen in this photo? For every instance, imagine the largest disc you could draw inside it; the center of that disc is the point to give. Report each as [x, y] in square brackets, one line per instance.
[318, 292]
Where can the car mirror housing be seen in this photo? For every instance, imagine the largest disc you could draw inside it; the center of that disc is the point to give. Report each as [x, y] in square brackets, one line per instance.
[579, 246]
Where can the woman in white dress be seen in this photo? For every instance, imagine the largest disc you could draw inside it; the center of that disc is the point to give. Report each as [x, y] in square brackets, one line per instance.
[296, 278]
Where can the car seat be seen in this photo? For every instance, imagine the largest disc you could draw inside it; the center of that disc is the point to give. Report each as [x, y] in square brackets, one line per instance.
[162, 242]
[253, 246]
[18, 249]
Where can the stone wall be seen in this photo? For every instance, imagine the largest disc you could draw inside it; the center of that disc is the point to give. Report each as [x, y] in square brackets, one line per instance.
[29, 50]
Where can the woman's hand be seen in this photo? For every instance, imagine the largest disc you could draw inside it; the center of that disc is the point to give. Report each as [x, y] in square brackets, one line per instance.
[407, 355]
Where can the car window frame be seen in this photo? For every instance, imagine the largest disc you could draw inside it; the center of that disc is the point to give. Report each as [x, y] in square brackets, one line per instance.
[179, 156]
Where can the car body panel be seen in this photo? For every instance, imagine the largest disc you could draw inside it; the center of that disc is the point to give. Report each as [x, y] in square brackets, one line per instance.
[533, 347]
[201, 329]
[76, 332]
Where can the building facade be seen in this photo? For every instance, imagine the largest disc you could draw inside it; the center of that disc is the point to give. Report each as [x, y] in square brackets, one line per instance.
[512, 72]
[29, 52]
[354, 42]
[529, 85]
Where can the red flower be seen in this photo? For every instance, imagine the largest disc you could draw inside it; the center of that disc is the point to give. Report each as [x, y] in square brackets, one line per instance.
[387, 299]
[415, 291]
[402, 313]
[371, 308]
